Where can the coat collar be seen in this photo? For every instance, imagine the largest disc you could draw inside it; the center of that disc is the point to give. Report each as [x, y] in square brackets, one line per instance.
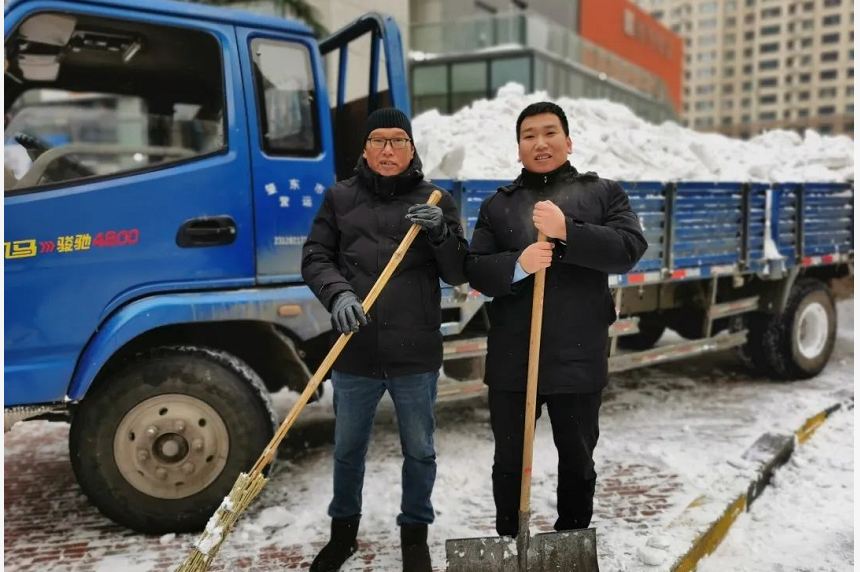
[539, 181]
[387, 187]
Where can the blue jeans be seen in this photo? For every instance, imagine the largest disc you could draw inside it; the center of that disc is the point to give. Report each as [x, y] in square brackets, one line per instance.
[355, 402]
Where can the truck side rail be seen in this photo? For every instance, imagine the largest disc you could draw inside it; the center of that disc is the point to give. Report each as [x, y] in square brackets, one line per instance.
[697, 230]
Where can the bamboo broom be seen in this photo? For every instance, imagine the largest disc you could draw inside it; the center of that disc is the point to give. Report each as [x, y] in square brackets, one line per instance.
[248, 485]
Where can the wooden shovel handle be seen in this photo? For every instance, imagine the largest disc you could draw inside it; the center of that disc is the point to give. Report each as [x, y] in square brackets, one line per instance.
[531, 388]
[328, 362]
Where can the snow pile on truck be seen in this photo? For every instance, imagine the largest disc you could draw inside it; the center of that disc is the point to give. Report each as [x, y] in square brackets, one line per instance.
[479, 142]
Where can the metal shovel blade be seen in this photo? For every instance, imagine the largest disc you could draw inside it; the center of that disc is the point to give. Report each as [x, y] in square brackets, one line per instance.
[569, 551]
[491, 554]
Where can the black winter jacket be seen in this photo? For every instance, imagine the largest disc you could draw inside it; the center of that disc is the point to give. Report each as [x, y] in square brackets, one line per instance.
[603, 236]
[360, 224]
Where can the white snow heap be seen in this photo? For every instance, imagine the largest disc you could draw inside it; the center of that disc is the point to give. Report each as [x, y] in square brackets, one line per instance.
[479, 142]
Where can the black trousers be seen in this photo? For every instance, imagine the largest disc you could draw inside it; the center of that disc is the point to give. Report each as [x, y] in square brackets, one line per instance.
[575, 432]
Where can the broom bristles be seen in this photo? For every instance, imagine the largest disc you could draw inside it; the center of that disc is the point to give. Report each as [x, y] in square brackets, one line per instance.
[222, 522]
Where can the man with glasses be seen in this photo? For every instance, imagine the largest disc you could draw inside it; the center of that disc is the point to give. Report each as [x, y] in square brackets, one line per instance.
[398, 346]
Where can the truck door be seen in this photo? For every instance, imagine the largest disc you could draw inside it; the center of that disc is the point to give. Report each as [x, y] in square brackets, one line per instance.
[127, 173]
[299, 145]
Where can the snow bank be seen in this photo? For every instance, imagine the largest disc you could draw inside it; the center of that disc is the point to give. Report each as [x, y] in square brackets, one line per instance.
[479, 142]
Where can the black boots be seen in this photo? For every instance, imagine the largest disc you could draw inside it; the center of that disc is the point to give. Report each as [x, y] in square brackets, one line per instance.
[413, 544]
[341, 546]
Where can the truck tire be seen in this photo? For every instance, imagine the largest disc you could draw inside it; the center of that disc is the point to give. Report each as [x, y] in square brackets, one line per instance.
[159, 444]
[761, 329]
[803, 336]
[651, 328]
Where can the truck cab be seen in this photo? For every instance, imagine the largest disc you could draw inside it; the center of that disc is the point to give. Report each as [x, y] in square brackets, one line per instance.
[163, 163]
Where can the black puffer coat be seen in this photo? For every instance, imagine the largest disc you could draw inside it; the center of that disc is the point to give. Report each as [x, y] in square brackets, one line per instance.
[603, 236]
[360, 224]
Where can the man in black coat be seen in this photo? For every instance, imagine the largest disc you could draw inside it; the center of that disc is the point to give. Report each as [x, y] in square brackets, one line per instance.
[593, 232]
[398, 346]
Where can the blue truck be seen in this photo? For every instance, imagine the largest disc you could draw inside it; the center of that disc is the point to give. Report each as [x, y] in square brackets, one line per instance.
[163, 162]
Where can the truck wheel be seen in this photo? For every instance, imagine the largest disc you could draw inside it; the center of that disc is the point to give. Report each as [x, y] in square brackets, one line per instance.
[761, 330]
[805, 332]
[158, 445]
[651, 328]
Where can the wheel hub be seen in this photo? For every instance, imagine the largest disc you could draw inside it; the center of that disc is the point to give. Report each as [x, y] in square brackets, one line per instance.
[171, 446]
[812, 328]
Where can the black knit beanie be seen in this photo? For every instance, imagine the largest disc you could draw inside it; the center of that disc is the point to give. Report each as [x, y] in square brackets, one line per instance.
[387, 118]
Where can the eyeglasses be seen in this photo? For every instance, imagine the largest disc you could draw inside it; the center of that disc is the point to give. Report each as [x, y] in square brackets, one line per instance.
[396, 142]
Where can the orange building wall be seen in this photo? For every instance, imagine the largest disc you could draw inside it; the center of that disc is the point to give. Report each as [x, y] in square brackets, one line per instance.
[628, 31]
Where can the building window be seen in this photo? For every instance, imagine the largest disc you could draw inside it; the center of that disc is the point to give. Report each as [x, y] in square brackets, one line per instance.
[768, 82]
[825, 128]
[805, 78]
[827, 92]
[802, 113]
[767, 116]
[728, 104]
[728, 89]
[805, 60]
[832, 3]
[708, 7]
[830, 56]
[830, 38]
[657, 14]
[708, 24]
[826, 110]
[849, 91]
[704, 105]
[727, 121]
[809, 6]
[770, 12]
[748, 52]
[730, 38]
[731, 5]
[849, 108]
[767, 99]
[807, 24]
[729, 72]
[828, 75]
[707, 40]
[706, 73]
[770, 30]
[803, 96]
[730, 22]
[805, 42]
[768, 65]
[768, 48]
[830, 20]
[729, 55]
[749, 36]
[704, 90]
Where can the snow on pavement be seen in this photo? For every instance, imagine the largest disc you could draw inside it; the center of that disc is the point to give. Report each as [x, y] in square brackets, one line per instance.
[667, 434]
[479, 142]
[805, 520]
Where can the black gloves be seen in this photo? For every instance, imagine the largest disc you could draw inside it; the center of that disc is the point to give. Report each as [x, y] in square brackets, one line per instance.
[431, 219]
[346, 313]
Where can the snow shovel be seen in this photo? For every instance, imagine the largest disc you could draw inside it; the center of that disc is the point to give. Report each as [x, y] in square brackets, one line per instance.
[569, 551]
[248, 485]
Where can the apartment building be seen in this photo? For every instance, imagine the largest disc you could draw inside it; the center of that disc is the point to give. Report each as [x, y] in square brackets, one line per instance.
[754, 65]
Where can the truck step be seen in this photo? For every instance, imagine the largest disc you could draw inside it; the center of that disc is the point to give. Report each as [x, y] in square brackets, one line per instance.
[677, 351]
[624, 327]
[733, 308]
[457, 349]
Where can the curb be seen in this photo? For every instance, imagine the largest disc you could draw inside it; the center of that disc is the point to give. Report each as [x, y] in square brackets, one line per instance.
[770, 450]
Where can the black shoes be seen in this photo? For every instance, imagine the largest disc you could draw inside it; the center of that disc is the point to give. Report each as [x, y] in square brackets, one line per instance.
[341, 546]
[413, 545]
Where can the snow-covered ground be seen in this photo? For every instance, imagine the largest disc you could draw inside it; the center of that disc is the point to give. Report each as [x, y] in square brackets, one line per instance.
[805, 521]
[668, 434]
[479, 142]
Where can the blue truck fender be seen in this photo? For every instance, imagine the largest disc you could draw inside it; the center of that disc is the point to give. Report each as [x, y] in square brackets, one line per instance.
[293, 307]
